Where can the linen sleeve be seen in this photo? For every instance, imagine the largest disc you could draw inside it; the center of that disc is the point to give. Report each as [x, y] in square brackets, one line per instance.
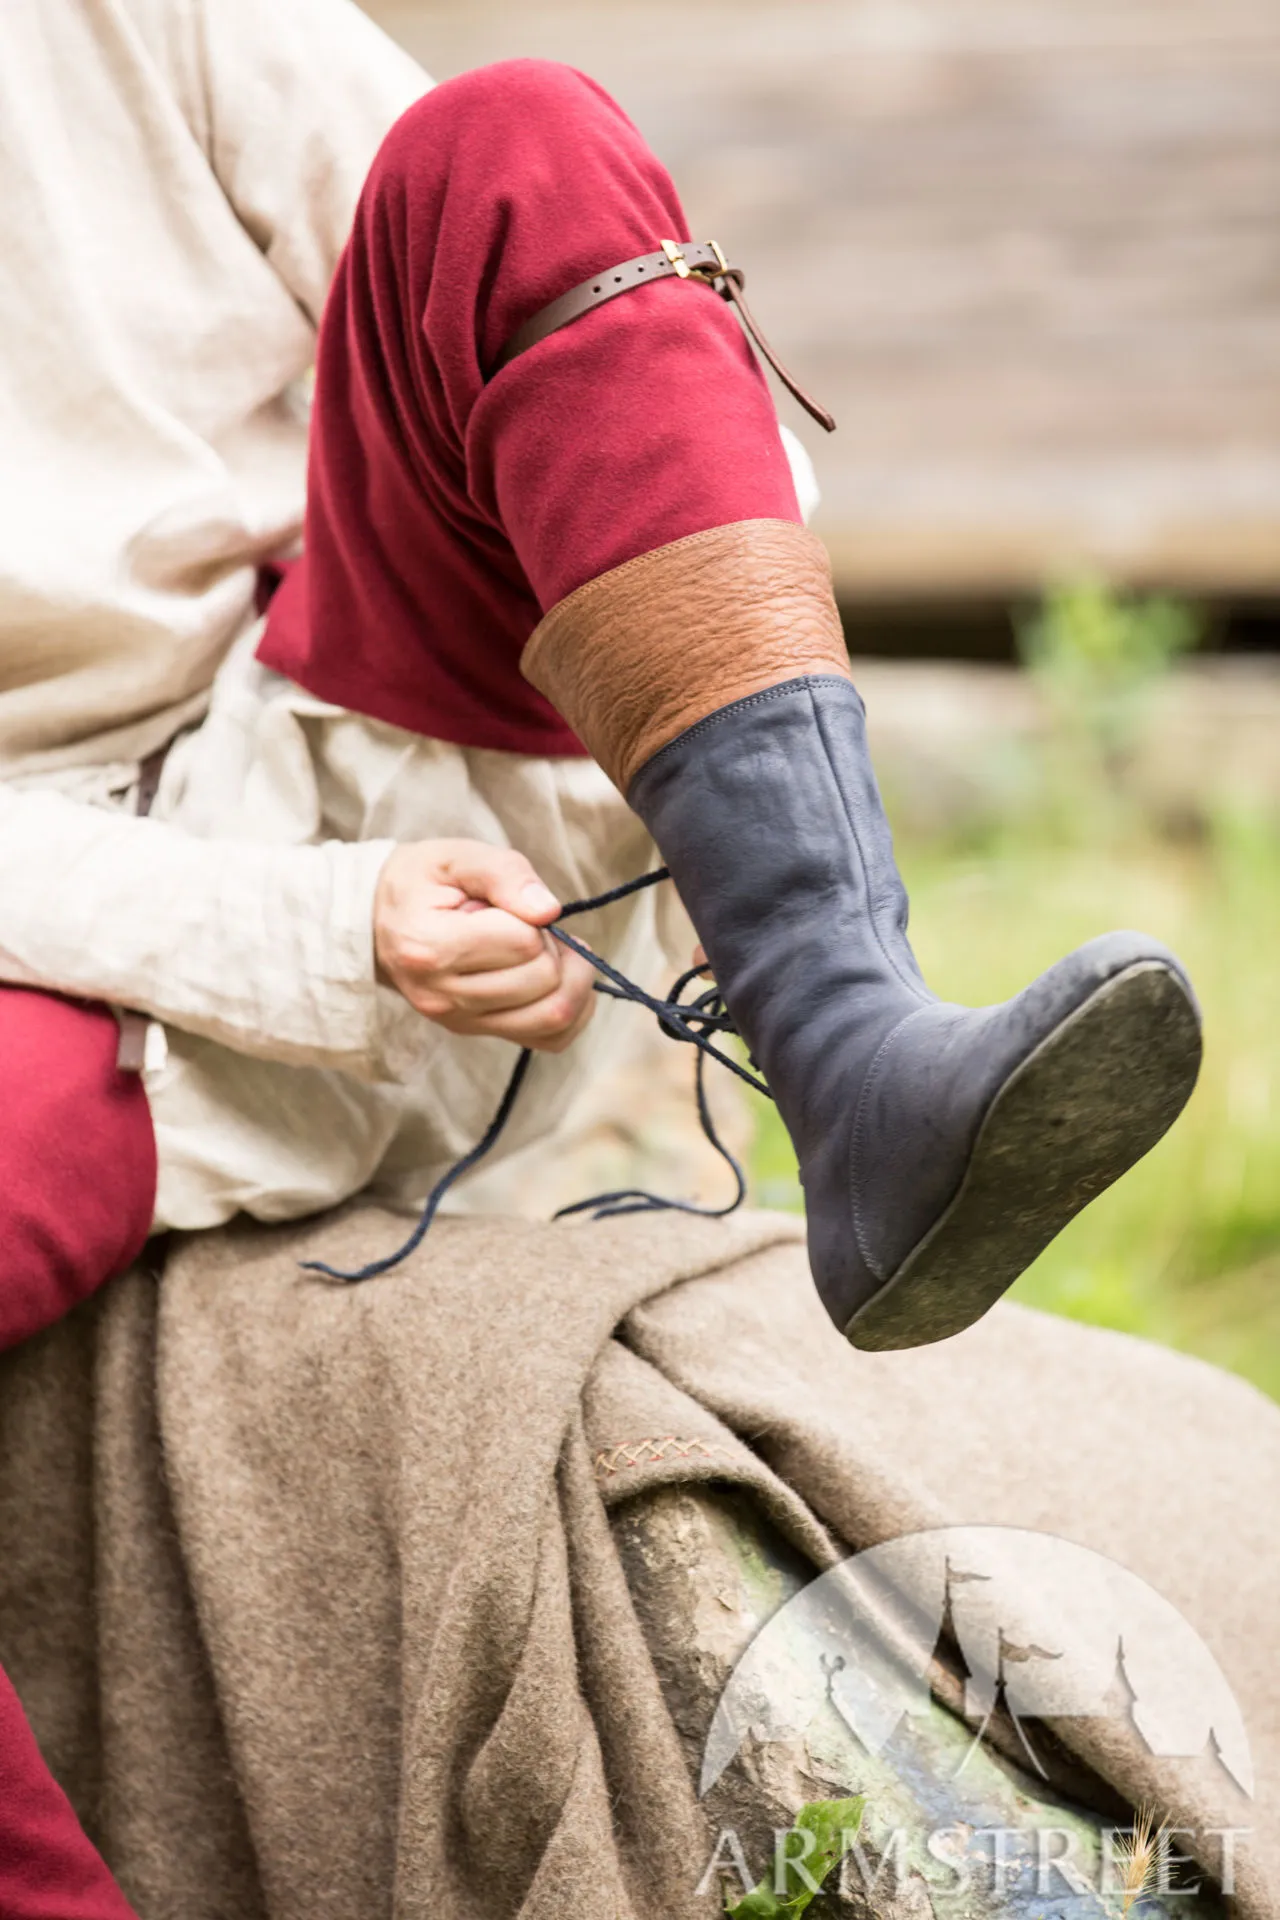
[267, 949]
[291, 100]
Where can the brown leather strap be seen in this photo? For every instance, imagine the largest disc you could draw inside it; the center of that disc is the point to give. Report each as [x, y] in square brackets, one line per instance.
[701, 264]
[607, 286]
[734, 281]
[149, 772]
[131, 1049]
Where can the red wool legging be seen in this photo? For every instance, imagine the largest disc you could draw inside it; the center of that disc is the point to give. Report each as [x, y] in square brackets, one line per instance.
[77, 1189]
[447, 511]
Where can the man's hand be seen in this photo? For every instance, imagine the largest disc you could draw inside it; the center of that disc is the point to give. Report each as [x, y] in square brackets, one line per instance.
[458, 930]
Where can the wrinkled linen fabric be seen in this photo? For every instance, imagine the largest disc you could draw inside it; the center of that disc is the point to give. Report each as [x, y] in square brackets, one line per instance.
[310, 1591]
[289, 1078]
[176, 182]
[158, 422]
[239, 916]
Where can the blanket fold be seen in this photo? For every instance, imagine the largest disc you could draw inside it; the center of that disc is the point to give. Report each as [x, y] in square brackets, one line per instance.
[312, 1595]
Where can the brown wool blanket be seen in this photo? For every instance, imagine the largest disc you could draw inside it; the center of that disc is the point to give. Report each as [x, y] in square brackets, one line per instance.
[312, 1596]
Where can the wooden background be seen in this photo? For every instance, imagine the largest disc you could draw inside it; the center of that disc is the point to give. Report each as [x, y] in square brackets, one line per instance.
[1027, 250]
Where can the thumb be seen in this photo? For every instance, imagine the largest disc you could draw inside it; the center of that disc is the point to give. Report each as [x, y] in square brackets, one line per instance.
[504, 878]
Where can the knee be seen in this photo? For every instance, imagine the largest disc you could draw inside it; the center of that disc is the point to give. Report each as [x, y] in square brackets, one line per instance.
[544, 96]
[77, 1159]
[515, 115]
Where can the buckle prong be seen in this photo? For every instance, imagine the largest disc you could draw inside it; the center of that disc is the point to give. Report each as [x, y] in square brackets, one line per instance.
[676, 257]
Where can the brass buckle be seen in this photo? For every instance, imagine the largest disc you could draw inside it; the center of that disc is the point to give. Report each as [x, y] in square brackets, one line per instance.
[676, 257]
[686, 270]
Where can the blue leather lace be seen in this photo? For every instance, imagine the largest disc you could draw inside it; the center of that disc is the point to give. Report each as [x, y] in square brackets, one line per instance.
[692, 1021]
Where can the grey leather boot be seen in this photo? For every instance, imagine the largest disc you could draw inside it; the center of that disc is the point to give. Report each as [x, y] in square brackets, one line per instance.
[941, 1147]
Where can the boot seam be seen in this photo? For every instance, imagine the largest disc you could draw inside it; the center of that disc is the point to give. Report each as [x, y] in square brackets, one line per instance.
[859, 1134]
[783, 690]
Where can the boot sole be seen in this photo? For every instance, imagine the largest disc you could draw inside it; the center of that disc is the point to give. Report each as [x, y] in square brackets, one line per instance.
[1093, 1097]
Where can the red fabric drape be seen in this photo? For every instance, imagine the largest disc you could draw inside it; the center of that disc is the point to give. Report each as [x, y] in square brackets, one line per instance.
[78, 1156]
[446, 515]
[77, 1190]
[48, 1869]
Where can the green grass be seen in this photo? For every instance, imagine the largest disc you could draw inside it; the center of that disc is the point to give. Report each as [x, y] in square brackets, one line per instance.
[1186, 1248]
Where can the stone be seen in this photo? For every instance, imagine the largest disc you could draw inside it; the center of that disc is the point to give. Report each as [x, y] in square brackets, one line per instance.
[706, 1572]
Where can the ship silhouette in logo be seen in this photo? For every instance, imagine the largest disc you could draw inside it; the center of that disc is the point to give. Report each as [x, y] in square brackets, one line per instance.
[1036, 1628]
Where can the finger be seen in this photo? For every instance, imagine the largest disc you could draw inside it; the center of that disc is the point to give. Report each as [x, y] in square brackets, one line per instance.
[501, 876]
[549, 1024]
[433, 945]
[502, 990]
[544, 1030]
[558, 1042]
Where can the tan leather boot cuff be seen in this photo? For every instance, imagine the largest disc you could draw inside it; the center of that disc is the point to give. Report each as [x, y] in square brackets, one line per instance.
[636, 656]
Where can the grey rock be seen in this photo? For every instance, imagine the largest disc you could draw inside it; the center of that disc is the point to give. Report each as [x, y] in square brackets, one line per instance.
[706, 1572]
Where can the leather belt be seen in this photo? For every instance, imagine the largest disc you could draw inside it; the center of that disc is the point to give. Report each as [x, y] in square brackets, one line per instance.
[701, 263]
[131, 1048]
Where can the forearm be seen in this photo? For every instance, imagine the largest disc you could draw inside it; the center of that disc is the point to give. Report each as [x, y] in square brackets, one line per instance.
[266, 949]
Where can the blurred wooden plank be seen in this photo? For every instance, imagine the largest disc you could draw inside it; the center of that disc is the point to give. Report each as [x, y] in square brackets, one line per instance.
[1027, 250]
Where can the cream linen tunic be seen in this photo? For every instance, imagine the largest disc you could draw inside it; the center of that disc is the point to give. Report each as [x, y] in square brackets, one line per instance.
[177, 178]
